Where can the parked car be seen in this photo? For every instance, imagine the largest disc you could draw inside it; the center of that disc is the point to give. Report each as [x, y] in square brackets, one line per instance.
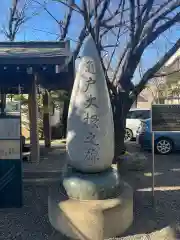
[133, 121]
[164, 142]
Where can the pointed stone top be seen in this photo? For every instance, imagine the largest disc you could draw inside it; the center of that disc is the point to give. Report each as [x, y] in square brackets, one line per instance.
[90, 129]
[90, 49]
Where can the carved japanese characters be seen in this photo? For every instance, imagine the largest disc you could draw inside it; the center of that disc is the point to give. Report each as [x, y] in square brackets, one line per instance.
[90, 129]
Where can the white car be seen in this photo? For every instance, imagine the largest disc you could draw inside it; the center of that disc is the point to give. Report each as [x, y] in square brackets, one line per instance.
[133, 121]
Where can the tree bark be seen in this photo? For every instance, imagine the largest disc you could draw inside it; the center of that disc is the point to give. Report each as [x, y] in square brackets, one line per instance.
[65, 116]
[3, 102]
[121, 105]
[46, 120]
[29, 114]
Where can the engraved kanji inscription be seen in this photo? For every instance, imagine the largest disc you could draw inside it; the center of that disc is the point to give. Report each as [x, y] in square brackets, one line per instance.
[93, 119]
[89, 82]
[91, 101]
[91, 155]
[90, 67]
[91, 139]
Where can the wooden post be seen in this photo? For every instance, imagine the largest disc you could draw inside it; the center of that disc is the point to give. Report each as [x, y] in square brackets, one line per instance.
[3, 101]
[65, 116]
[30, 113]
[46, 120]
[34, 133]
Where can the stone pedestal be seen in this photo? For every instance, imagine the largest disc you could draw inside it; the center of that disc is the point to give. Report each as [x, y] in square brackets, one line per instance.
[92, 203]
[107, 213]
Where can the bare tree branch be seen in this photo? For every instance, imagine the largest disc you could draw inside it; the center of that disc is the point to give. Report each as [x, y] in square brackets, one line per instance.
[169, 5]
[44, 31]
[63, 24]
[141, 21]
[151, 26]
[132, 19]
[86, 15]
[104, 8]
[67, 20]
[110, 46]
[117, 41]
[138, 13]
[119, 63]
[130, 66]
[87, 19]
[71, 5]
[166, 74]
[84, 33]
[152, 35]
[147, 8]
[81, 38]
[17, 18]
[99, 18]
[109, 83]
[49, 13]
[152, 71]
[114, 14]
[105, 31]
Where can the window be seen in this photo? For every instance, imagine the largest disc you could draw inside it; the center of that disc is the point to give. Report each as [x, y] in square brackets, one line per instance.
[139, 114]
[146, 114]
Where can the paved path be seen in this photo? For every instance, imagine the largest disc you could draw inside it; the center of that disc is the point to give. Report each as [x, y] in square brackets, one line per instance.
[49, 168]
[51, 160]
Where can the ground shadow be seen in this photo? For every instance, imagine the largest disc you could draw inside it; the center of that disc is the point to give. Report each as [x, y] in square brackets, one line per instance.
[166, 212]
[149, 218]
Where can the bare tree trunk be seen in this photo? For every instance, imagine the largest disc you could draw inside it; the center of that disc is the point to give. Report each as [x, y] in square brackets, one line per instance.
[121, 105]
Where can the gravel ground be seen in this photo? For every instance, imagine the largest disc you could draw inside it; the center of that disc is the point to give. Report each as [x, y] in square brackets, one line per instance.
[31, 221]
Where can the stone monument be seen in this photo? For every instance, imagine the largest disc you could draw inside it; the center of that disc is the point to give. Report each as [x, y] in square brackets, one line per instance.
[92, 202]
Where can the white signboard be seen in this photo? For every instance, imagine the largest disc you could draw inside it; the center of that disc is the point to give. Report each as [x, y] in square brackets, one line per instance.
[9, 128]
[10, 149]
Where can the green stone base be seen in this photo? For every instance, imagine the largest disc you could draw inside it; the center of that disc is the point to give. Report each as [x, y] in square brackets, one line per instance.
[91, 186]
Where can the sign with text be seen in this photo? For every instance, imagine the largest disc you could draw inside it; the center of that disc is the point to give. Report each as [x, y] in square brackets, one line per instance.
[165, 118]
[10, 128]
[10, 161]
[10, 149]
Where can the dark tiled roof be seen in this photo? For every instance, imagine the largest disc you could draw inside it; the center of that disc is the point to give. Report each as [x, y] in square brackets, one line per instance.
[34, 52]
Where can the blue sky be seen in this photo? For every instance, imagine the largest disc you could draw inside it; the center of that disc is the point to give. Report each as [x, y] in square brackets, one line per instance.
[43, 27]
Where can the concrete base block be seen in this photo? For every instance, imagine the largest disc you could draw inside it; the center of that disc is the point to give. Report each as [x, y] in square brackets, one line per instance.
[91, 219]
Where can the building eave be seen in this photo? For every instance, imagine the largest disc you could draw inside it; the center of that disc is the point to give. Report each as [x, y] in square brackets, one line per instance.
[34, 53]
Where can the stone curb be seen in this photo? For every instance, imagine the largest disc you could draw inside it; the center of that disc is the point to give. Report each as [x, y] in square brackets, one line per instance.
[41, 181]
